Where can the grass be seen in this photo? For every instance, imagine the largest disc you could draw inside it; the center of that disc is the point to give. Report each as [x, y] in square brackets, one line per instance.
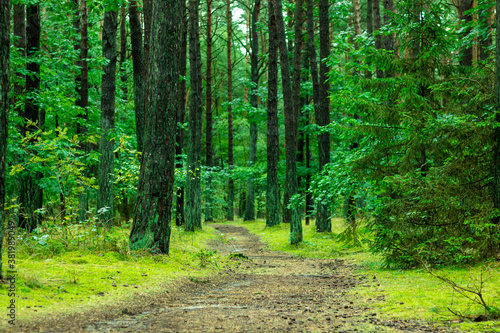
[53, 279]
[404, 294]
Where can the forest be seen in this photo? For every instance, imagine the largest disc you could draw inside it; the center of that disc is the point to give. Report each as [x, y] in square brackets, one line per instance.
[373, 123]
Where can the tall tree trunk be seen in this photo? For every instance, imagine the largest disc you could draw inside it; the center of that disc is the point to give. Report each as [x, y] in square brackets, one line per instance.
[138, 67]
[496, 157]
[254, 102]
[378, 35]
[193, 180]
[153, 210]
[4, 110]
[291, 123]
[323, 220]
[464, 7]
[83, 96]
[209, 125]
[107, 141]
[273, 150]
[389, 40]
[486, 16]
[31, 195]
[20, 44]
[123, 51]
[181, 114]
[230, 158]
[369, 26]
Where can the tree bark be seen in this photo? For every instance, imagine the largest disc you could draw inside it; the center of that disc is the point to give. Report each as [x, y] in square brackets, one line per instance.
[369, 27]
[82, 96]
[193, 181]
[230, 158]
[4, 110]
[181, 114]
[272, 193]
[323, 220]
[254, 102]
[31, 195]
[496, 156]
[153, 210]
[291, 125]
[138, 68]
[378, 35]
[466, 52]
[107, 141]
[123, 51]
[20, 44]
[389, 40]
[209, 121]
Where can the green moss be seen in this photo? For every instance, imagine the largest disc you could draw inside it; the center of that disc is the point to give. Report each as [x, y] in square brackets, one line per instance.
[81, 277]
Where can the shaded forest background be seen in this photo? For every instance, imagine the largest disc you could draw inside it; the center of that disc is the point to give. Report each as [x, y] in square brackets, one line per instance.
[382, 112]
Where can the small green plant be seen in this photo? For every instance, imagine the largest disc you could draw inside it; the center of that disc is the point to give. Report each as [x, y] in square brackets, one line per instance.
[206, 257]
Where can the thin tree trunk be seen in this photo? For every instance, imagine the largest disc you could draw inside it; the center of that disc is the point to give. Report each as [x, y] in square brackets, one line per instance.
[291, 123]
[496, 157]
[193, 181]
[254, 102]
[20, 44]
[31, 195]
[273, 150]
[378, 35]
[181, 114]
[123, 51]
[323, 220]
[138, 67]
[209, 125]
[4, 111]
[82, 99]
[389, 41]
[106, 143]
[464, 14]
[487, 17]
[369, 26]
[230, 158]
[153, 210]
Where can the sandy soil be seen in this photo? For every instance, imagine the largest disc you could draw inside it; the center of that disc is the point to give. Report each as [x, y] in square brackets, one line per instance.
[260, 291]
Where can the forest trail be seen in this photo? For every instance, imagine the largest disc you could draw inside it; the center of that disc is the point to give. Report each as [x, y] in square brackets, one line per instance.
[268, 292]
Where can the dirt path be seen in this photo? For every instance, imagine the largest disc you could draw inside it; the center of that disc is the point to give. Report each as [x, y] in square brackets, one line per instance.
[268, 292]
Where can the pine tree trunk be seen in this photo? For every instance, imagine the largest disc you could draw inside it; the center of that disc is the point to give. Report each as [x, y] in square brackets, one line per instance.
[369, 26]
[230, 158]
[20, 44]
[31, 195]
[273, 150]
[323, 220]
[254, 102]
[463, 7]
[4, 111]
[389, 39]
[209, 125]
[496, 157]
[378, 36]
[138, 68]
[153, 211]
[82, 96]
[193, 181]
[123, 51]
[181, 114]
[106, 143]
[291, 125]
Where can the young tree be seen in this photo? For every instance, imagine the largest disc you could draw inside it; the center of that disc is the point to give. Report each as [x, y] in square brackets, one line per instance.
[230, 158]
[273, 150]
[323, 220]
[193, 179]
[254, 102]
[153, 210]
[138, 68]
[4, 109]
[107, 141]
[31, 195]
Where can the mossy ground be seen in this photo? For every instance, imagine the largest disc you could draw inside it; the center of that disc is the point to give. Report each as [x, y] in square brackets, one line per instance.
[57, 276]
[404, 294]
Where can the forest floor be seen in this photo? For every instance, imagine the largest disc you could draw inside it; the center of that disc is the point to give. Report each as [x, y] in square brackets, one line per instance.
[255, 290]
